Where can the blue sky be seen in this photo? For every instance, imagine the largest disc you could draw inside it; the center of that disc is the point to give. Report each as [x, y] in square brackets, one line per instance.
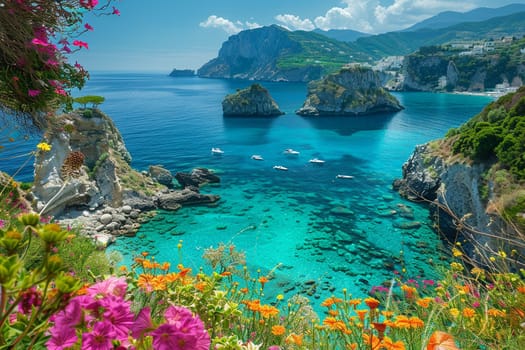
[159, 35]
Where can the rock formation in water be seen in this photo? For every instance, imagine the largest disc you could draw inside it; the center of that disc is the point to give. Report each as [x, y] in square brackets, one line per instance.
[352, 91]
[252, 101]
[179, 73]
[87, 176]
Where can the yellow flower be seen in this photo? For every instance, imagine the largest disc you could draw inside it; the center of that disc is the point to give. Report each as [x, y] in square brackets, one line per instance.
[44, 146]
[456, 266]
[496, 313]
[454, 312]
[492, 259]
[424, 302]
[280, 297]
[295, 339]
[502, 254]
[456, 252]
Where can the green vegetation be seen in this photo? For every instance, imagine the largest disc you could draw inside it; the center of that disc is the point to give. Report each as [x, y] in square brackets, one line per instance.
[94, 100]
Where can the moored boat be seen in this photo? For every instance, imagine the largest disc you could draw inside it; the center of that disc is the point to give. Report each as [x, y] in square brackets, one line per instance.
[280, 167]
[344, 177]
[317, 161]
[291, 152]
[217, 150]
[257, 157]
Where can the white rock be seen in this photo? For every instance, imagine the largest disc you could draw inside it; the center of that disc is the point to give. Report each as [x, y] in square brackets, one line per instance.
[126, 209]
[105, 218]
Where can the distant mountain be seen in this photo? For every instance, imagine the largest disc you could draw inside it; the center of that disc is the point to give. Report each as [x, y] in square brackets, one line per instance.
[403, 43]
[450, 18]
[346, 35]
[277, 54]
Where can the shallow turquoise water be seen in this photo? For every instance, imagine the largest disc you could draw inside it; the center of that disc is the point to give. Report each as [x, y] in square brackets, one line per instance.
[339, 233]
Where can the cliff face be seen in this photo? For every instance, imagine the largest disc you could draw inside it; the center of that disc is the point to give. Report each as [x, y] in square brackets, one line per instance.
[252, 101]
[451, 184]
[88, 166]
[351, 91]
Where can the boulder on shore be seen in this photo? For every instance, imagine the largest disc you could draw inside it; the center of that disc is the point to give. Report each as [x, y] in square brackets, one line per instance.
[352, 91]
[252, 101]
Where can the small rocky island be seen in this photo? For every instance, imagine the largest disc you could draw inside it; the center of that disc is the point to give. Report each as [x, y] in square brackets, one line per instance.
[351, 91]
[252, 101]
[182, 73]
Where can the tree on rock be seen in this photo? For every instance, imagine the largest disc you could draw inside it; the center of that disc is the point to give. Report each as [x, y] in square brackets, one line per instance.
[94, 100]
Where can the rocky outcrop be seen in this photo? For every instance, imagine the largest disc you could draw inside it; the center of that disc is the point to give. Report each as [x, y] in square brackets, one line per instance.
[253, 101]
[197, 178]
[352, 91]
[161, 175]
[179, 73]
[452, 189]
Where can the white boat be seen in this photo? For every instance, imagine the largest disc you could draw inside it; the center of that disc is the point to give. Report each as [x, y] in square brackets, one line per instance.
[257, 157]
[280, 167]
[316, 161]
[291, 151]
[344, 177]
[216, 150]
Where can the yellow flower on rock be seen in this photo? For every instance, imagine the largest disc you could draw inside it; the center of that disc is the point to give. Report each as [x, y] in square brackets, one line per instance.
[44, 146]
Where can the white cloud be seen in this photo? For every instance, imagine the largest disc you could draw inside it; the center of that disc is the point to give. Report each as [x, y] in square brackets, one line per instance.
[295, 22]
[252, 25]
[221, 23]
[373, 16]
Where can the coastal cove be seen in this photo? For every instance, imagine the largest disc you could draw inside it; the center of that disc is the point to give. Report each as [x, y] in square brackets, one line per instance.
[338, 233]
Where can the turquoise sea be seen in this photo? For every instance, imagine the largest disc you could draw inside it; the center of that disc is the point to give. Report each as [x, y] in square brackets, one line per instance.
[315, 228]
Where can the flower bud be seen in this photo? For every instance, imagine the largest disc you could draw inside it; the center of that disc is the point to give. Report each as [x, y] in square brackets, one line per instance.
[67, 283]
[11, 241]
[29, 219]
[52, 233]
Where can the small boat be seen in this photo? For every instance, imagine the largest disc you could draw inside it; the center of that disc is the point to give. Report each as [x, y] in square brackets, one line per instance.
[257, 157]
[280, 167]
[216, 150]
[316, 161]
[291, 151]
[344, 177]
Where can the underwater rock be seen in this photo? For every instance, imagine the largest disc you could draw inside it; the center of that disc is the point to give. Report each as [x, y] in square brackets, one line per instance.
[406, 225]
[197, 178]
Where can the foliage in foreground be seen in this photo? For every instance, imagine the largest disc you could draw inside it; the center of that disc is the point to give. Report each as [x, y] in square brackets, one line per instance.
[152, 305]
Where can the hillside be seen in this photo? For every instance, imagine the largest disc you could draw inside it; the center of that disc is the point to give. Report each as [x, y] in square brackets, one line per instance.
[403, 43]
[450, 18]
[346, 35]
[277, 54]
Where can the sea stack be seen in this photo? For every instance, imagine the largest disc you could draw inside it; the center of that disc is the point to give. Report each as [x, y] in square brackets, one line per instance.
[254, 101]
[352, 91]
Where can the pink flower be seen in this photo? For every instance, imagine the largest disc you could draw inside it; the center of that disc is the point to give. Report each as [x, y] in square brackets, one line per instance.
[66, 49]
[168, 337]
[2, 222]
[60, 91]
[29, 298]
[117, 313]
[33, 93]
[39, 42]
[100, 337]
[476, 304]
[89, 4]
[142, 323]
[80, 43]
[177, 315]
[61, 338]
[110, 286]
[52, 63]
[88, 27]
[274, 347]
[116, 11]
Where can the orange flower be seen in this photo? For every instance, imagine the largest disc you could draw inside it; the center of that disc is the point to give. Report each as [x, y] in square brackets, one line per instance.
[336, 325]
[371, 341]
[441, 341]
[268, 311]
[331, 301]
[424, 302]
[183, 270]
[380, 327]
[263, 280]
[468, 312]
[351, 346]
[372, 303]
[354, 302]
[412, 322]
[387, 314]
[295, 339]
[278, 330]
[165, 266]
[200, 286]
[409, 291]
[361, 314]
[147, 264]
[521, 289]
[389, 344]
[226, 274]
[243, 290]
[496, 313]
[333, 312]
[252, 305]
[123, 268]
[144, 254]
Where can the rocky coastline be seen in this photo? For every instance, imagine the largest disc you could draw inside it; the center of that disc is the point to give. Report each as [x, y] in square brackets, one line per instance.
[86, 181]
[253, 101]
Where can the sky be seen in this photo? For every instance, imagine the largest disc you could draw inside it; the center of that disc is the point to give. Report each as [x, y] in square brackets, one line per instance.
[159, 35]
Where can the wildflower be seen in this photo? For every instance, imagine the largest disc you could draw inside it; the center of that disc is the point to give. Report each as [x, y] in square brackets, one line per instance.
[328, 302]
[115, 11]
[361, 314]
[268, 311]
[142, 323]
[354, 302]
[243, 290]
[99, 338]
[333, 312]
[263, 280]
[387, 314]
[226, 274]
[336, 325]
[29, 299]
[61, 338]
[441, 340]
[468, 312]
[405, 322]
[295, 339]
[280, 297]
[44, 147]
[278, 330]
[454, 312]
[456, 252]
[252, 305]
[496, 313]
[389, 344]
[521, 289]
[372, 303]
[80, 44]
[110, 286]
[88, 27]
[371, 341]
[456, 266]
[492, 259]
[424, 302]
[409, 291]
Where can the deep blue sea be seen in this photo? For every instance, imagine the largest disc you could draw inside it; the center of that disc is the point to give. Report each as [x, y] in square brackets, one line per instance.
[340, 233]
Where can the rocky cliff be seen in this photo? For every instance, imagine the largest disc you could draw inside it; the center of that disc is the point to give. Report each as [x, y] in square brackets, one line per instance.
[87, 175]
[255, 101]
[351, 91]
[274, 53]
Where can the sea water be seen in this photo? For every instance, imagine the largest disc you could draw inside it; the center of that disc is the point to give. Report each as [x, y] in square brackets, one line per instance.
[307, 226]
